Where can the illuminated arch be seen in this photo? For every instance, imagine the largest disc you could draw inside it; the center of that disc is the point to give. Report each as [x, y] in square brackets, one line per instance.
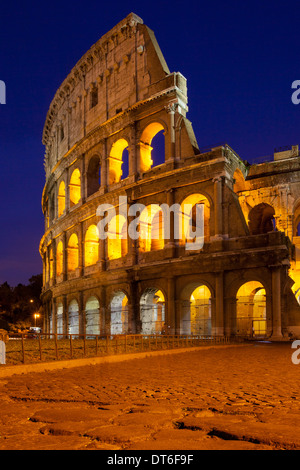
[91, 246]
[151, 228]
[194, 217]
[117, 237]
[119, 313]
[61, 198]
[73, 253]
[59, 319]
[92, 316]
[93, 175]
[251, 309]
[152, 311]
[146, 161]
[196, 310]
[73, 318]
[59, 258]
[117, 161]
[51, 264]
[75, 188]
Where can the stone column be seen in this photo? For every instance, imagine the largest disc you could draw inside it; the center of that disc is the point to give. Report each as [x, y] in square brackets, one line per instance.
[218, 189]
[133, 309]
[276, 302]
[171, 109]
[172, 323]
[81, 250]
[104, 162]
[218, 327]
[170, 242]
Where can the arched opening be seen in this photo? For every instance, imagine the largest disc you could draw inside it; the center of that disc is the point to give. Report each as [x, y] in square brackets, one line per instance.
[119, 314]
[118, 161]
[152, 151]
[91, 246]
[73, 253]
[195, 217]
[261, 219]
[117, 237]
[73, 318]
[152, 311]
[196, 311]
[75, 188]
[59, 320]
[298, 230]
[92, 316]
[93, 175]
[251, 310]
[151, 235]
[61, 198]
[59, 258]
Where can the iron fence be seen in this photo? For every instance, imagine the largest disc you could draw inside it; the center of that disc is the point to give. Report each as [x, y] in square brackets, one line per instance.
[43, 347]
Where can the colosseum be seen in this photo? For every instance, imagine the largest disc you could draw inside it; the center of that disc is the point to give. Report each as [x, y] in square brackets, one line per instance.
[116, 136]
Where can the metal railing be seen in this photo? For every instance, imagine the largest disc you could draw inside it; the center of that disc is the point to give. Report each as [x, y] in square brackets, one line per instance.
[33, 348]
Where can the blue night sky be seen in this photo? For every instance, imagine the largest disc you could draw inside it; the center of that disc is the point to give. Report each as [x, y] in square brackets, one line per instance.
[239, 58]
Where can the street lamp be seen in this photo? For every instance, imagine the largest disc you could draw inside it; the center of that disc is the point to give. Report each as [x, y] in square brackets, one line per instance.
[36, 315]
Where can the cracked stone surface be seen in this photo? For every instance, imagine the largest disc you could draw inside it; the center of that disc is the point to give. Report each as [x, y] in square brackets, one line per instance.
[216, 399]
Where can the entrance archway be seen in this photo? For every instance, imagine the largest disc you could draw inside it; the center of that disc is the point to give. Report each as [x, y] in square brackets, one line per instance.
[73, 323]
[196, 312]
[251, 310]
[152, 311]
[92, 319]
[119, 314]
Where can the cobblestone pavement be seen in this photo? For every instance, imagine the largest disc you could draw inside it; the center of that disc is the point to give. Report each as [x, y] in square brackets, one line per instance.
[244, 397]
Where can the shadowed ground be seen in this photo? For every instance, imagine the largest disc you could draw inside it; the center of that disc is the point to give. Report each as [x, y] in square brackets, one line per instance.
[244, 397]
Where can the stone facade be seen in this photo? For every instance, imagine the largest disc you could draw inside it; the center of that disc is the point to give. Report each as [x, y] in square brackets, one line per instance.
[101, 134]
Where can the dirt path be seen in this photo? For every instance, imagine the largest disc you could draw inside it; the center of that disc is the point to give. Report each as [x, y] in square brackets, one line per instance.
[222, 398]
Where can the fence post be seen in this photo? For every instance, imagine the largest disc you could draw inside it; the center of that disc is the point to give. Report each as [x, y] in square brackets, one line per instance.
[56, 348]
[84, 345]
[96, 345]
[40, 347]
[71, 347]
[23, 348]
[107, 344]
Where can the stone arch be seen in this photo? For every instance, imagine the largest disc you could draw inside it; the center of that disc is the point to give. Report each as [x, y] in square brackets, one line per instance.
[73, 318]
[152, 311]
[149, 133]
[59, 258]
[92, 316]
[261, 219]
[93, 175]
[118, 161]
[151, 223]
[60, 320]
[91, 246]
[251, 305]
[195, 217]
[119, 313]
[75, 187]
[117, 237]
[73, 253]
[61, 198]
[196, 308]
